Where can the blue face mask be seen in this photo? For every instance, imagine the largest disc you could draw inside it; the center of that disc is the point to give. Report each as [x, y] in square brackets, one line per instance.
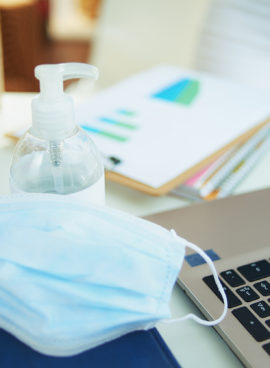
[74, 276]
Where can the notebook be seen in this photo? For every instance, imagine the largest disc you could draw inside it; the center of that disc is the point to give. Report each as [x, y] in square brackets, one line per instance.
[221, 177]
[142, 349]
[235, 232]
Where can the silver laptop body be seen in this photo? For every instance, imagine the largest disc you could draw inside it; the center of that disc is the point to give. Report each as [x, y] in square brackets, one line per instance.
[237, 231]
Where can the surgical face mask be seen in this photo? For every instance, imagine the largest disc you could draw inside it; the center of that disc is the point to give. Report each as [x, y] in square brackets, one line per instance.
[73, 276]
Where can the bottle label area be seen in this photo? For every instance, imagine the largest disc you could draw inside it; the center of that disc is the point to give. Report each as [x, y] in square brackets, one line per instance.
[94, 193]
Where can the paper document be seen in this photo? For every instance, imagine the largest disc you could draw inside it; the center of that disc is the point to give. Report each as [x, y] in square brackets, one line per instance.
[162, 122]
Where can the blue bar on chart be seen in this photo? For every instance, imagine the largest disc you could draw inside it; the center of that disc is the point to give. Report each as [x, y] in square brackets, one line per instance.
[182, 92]
[118, 123]
[105, 133]
[126, 112]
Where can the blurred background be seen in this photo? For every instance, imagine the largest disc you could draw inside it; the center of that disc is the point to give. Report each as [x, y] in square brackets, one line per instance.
[229, 38]
[119, 36]
[43, 31]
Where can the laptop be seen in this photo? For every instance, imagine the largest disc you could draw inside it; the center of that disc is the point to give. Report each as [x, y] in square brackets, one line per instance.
[235, 232]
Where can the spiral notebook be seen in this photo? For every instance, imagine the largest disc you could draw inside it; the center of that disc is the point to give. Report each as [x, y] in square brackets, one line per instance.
[218, 179]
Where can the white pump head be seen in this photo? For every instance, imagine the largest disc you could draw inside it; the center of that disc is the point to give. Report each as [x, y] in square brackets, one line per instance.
[53, 110]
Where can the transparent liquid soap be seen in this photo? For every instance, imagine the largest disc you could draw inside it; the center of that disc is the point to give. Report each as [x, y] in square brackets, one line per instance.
[59, 161]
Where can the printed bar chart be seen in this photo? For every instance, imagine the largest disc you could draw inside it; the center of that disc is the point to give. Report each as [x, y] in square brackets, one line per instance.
[183, 92]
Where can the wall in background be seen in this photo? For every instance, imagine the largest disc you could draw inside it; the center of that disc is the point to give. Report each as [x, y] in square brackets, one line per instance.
[28, 39]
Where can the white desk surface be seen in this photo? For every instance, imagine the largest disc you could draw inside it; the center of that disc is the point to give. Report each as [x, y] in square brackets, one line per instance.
[192, 345]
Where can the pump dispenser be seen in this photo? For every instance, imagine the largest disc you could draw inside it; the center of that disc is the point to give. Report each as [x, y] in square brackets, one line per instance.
[55, 155]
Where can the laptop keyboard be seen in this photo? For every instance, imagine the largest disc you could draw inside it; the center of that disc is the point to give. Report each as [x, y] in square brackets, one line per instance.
[250, 284]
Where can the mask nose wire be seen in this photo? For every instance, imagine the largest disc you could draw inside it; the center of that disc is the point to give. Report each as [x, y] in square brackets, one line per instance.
[210, 263]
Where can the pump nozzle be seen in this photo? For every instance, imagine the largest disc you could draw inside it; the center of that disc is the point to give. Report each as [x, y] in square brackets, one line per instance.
[51, 77]
[52, 109]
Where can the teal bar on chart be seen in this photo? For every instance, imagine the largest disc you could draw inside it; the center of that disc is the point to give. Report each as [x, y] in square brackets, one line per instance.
[105, 133]
[118, 123]
[183, 92]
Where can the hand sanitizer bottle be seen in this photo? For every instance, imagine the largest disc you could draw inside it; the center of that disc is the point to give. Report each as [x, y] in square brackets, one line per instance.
[55, 155]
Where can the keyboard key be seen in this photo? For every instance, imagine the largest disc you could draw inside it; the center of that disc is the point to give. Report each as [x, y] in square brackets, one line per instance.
[255, 271]
[261, 308]
[233, 301]
[267, 348]
[268, 322]
[232, 278]
[247, 293]
[263, 287]
[251, 323]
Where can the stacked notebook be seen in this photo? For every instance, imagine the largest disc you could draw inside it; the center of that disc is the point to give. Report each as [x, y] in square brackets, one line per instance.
[219, 178]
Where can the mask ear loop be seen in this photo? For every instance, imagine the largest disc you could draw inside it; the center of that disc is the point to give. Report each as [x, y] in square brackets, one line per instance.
[218, 283]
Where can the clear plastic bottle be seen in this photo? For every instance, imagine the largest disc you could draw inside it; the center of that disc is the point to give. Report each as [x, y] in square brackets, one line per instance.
[55, 155]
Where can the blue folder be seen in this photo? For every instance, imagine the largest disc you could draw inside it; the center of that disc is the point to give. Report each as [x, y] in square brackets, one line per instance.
[139, 349]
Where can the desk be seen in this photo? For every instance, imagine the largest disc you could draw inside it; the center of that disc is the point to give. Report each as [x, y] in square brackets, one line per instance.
[193, 345]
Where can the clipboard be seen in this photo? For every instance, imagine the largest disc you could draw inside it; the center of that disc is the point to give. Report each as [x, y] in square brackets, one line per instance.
[166, 188]
[166, 123]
